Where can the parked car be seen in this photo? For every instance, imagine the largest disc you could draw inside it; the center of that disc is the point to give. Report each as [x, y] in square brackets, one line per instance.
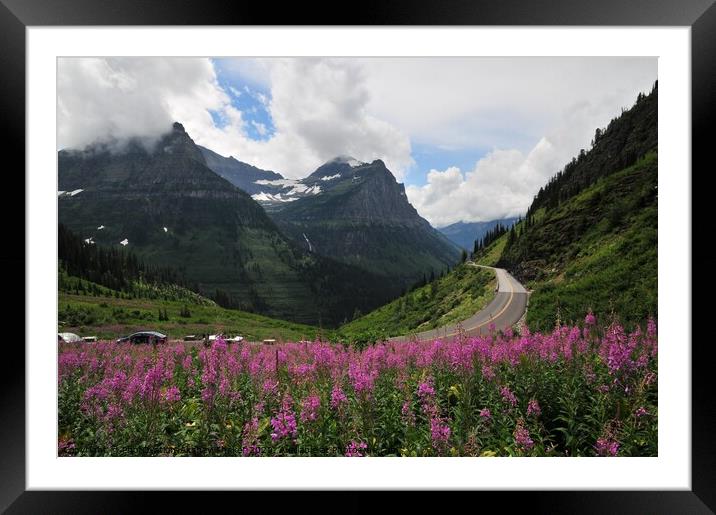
[68, 337]
[227, 339]
[153, 337]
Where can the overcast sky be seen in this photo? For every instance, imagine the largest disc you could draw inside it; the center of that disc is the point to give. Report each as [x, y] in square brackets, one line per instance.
[472, 138]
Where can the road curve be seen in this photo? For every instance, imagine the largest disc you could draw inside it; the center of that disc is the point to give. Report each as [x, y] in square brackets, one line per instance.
[505, 310]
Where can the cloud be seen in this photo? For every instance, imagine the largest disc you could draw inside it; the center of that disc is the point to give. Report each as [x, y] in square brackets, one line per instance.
[260, 128]
[533, 113]
[503, 183]
[318, 108]
[488, 102]
[118, 98]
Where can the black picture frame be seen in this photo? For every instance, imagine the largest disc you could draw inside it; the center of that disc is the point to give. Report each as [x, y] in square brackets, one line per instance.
[16, 15]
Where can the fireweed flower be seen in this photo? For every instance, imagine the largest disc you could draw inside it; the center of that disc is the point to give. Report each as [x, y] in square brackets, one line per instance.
[590, 319]
[487, 373]
[362, 379]
[522, 437]
[65, 447]
[284, 423]
[508, 396]
[606, 447]
[115, 383]
[224, 387]
[309, 408]
[426, 388]
[249, 441]
[270, 387]
[338, 397]
[439, 432]
[533, 408]
[172, 394]
[356, 449]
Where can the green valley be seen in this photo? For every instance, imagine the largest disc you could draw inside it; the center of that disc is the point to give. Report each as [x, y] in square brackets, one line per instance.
[451, 298]
[111, 314]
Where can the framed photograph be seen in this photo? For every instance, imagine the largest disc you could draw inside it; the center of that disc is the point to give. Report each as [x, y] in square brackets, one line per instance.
[441, 248]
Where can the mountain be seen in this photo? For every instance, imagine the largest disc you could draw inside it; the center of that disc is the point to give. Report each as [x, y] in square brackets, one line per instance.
[360, 215]
[589, 241]
[464, 234]
[268, 188]
[168, 207]
[590, 237]
[242, 175]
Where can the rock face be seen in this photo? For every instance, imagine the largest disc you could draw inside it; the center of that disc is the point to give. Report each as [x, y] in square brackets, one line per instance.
[362, 216]
[242, 175]
[172, 210]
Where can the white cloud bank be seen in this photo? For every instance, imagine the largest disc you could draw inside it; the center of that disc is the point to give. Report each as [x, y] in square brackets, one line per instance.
[318, 109]
[503, 183]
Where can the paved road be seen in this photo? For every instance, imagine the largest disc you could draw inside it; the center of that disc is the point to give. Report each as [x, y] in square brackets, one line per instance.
[504, 310]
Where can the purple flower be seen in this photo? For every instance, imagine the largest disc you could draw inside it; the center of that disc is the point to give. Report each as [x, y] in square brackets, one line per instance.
[224, 387]
[65, 447]
[439, 432]
[249, 441]
[338, 397]
[640, 412]
[606, 447]
[522, 437]
[356, 449]
[309, 408]
[284, 423]
[487, 373]
[508, 396]
[533, 408]
[269, 387]
[172, 394]
[485, 413]
[590, 319]
[426, 388]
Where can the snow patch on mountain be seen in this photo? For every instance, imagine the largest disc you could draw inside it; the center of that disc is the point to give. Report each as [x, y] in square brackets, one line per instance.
[313, 190]
[330, 177]
[276, 182]
[62, 193]
[293, 187]
[310, 247]
[268, 197]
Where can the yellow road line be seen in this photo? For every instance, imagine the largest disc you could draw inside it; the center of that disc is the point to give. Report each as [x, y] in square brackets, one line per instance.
[509, 301]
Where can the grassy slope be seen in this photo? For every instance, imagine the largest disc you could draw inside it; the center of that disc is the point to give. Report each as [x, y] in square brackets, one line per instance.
[597, 251]
[107, 316]
[451, 298]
